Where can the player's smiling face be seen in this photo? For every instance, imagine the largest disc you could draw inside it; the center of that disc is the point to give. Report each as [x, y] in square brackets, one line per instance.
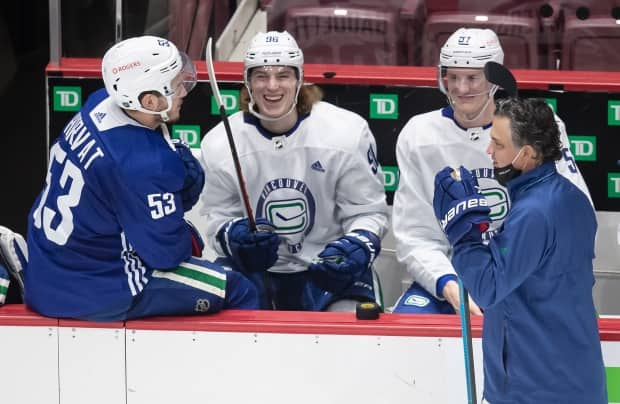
[273, 89]
[468, 89]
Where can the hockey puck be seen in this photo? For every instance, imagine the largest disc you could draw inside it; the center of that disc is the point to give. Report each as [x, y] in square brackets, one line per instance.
[367, 311]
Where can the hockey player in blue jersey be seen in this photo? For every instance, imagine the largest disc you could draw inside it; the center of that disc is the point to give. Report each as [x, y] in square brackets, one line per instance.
[451, 136]
[534, 278]
[313, 181]
[107, 239]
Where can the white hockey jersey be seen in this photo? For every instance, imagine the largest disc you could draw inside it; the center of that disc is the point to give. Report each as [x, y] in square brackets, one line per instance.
[426, 144]
[316, 182]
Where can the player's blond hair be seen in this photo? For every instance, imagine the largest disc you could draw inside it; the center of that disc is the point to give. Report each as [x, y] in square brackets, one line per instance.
[309, 94]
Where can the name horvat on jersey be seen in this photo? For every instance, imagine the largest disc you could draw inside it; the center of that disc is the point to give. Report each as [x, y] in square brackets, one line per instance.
[78, 136]
[460, 207]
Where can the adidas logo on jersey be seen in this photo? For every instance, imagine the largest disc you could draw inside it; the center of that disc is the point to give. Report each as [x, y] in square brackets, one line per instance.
[99, 116]
[317, 166]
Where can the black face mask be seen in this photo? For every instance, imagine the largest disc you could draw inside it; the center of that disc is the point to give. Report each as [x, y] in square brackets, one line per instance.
[505, 174]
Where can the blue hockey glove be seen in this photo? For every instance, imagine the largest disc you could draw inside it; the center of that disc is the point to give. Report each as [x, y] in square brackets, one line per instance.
[197, 244]
[461, 209]
[251, 251]
[194, 177]
[343, 261]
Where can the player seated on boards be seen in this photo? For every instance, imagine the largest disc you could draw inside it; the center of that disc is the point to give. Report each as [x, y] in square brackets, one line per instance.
[313, 181]
[455, 135]
[107, 239]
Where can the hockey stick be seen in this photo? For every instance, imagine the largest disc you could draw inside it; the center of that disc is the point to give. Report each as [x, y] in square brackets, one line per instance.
[233, 149]
[499, 75]
[468, 353]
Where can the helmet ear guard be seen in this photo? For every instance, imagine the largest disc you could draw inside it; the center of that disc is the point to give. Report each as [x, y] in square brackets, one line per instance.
[145, 64]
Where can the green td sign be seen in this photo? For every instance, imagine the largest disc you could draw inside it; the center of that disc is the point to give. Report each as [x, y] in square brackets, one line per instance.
[384, 106]
[613, 113]
[230, 100]
[190, 134]
[390, 177]
[613, 185]
[583, 147]
[67, 98]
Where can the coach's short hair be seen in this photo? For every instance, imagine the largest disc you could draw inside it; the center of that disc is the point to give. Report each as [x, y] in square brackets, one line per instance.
[532, 122]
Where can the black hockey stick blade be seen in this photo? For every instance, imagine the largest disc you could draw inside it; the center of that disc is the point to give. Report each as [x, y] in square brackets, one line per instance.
[499, 75]
[233, 149]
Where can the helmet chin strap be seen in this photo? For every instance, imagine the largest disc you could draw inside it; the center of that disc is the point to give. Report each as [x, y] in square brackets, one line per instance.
[162, 114]
[269, 118]
[484, 107]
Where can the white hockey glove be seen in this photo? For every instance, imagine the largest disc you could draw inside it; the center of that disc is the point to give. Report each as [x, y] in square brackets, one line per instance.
[14, 252]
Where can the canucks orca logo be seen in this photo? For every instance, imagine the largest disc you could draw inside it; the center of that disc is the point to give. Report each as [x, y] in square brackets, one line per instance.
[417, 300]
[288, 216]
[290, 206]
[498, 202]
[496, 195]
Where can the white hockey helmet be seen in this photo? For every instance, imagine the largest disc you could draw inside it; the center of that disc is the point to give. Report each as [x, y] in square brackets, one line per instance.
[469, 48]
[142, 64]
[273, 48]
[472, 48]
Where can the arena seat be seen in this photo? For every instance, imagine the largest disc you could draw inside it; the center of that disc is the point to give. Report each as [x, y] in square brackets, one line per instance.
[192, 22]
[276, 9]
[518, 35]
[411, 16]
[591, 44]
[345, 35]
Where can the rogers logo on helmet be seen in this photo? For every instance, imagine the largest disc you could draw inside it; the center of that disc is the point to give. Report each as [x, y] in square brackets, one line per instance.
[128, 66]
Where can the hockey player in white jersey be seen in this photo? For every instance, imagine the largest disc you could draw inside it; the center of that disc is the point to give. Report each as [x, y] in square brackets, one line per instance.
[107, 239]
[313, 181]
[455, 135]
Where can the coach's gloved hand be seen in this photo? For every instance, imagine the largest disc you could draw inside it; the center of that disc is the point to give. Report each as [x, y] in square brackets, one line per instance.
[194, 177]
[197, 244]
[251, 251]
[461, 209]
[344, 260]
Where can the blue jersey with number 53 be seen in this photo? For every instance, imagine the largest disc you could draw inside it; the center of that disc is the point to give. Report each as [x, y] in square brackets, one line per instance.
[110, 212]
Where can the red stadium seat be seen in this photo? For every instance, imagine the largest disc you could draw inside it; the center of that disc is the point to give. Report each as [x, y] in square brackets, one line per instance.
[192, 22]
[518, 35]
[345, 35]
[409, 27]
[591, 44]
